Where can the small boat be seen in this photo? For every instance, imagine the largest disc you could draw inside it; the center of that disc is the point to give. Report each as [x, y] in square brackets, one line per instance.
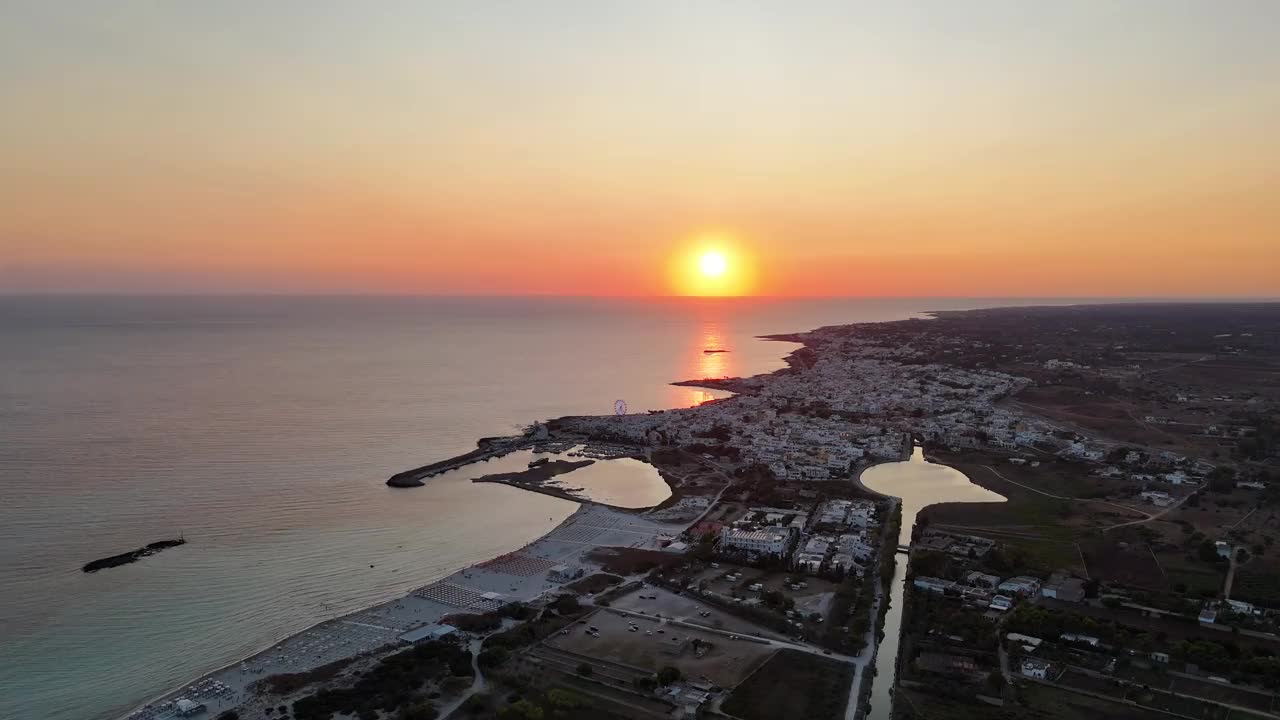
[714, 350]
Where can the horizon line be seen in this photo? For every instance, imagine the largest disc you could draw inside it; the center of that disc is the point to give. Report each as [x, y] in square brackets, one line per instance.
[583, 296]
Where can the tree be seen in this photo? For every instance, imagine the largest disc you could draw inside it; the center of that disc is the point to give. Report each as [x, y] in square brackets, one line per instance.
[229, 715]
[1208, 552]
[561, 699]
[567, 605]
[645, 683]
[1091, 588]
[493, 657]
[1222, 480]
[521, 710]
[419, 711]
[475, 704]
[669, 674]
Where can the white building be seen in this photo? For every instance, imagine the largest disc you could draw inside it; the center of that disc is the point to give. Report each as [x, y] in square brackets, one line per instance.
[933, 584]
[982, 580]
[770, 541]
[1021, 585]
[1157, 498]
[561, 574]
[1037, 669]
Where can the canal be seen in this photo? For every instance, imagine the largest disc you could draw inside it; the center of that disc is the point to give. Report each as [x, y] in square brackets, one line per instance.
[918, 483]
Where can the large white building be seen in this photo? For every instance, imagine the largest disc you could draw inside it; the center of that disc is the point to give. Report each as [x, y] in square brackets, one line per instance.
[766, 541]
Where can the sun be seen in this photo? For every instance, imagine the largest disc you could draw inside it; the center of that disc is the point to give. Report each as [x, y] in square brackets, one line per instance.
[713, 263]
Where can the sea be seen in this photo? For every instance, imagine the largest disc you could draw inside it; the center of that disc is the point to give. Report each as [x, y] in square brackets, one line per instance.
[263, 429]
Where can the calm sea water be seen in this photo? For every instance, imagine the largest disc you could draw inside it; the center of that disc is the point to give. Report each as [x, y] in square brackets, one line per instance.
[263, 428]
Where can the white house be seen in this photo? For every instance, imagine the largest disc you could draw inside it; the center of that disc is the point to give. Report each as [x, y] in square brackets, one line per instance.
[1037, 669]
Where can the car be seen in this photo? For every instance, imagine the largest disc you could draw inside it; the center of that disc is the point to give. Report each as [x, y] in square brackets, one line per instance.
[648, 632]
[633, 628]
[662, 632]
[826, 652]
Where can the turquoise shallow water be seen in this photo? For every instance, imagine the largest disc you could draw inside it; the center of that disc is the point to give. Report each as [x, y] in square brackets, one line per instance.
[264, 428]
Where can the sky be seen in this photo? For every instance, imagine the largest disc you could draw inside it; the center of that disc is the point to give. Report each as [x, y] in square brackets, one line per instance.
[984, 148]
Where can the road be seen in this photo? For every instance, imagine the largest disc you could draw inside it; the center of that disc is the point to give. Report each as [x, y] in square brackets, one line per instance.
[1210, 626]
[1000, 475]
[712, 505]
[1154, 516]
[1231, 574]
[478, 683]
[1111, 678]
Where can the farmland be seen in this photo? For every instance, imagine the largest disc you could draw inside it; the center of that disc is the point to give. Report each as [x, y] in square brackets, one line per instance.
[816, 689]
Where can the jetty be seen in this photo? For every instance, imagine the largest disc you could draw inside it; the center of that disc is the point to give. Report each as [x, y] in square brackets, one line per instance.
[488, 448]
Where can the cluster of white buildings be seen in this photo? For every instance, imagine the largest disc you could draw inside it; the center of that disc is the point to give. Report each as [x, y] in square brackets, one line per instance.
[843, 542]
[848, 552]
[811, 424]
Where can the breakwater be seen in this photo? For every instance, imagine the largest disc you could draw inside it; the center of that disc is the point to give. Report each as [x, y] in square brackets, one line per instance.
[131, 556]
[488, 449]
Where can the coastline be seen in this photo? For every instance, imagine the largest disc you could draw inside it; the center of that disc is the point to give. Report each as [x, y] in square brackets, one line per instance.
[582, 508]
[802, 356]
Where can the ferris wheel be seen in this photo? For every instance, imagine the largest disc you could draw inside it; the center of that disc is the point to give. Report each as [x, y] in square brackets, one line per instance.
[619, 407]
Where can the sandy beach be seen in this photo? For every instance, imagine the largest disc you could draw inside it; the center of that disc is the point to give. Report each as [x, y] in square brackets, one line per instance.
[520, 575]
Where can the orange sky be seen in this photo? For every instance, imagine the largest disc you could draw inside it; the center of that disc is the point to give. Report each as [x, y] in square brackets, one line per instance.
[1102, 149]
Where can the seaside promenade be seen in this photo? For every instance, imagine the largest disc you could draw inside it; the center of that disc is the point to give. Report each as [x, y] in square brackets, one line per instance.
[518, 576]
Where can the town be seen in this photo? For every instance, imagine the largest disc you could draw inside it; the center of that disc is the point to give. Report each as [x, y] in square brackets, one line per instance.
[1130, 571]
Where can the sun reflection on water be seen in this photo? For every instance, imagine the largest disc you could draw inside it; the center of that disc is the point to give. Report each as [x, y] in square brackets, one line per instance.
[702, 365]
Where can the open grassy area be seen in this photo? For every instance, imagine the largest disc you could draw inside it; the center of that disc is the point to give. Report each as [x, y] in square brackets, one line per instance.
[816, 688]
[1113, 560]
[1258, 583]
[1200, 579]
[659, 643]
[630, 561]
[1058, 704]
[594, 583]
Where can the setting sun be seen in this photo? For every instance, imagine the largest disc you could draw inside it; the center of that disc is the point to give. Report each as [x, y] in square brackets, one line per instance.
[713, 264]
